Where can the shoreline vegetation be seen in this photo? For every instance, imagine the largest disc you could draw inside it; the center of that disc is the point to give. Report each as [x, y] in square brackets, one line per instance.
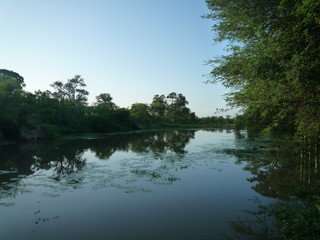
[156, 128]
[272, 68]
[65, 111]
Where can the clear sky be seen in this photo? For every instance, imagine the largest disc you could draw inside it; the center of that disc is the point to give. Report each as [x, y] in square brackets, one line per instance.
[132, 49]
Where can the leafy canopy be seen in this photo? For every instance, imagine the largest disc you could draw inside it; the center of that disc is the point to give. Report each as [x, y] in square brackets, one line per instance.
[272, 65]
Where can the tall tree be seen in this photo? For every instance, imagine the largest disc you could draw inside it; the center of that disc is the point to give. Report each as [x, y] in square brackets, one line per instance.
[177, 110]
[104, 100]
[140, 113]
[159, 106]
[73, 100]
[11, 103]
[273, 61]
[73, 91]
[10, 75]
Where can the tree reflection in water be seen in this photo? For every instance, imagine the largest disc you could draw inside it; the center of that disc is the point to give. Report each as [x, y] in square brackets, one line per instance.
[163, 142]
[65, 158]
[289, 173]
[14, 167]
[62, 159]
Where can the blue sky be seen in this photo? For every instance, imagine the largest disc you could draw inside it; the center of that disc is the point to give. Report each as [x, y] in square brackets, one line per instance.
[132, 49]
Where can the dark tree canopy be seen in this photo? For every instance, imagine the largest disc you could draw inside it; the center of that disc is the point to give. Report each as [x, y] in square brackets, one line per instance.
[273, 61]
[104, 98]
[7, 75]
[159, 105]
[73, 91]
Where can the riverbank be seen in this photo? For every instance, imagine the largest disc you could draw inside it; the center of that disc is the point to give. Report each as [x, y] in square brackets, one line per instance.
[154, 127]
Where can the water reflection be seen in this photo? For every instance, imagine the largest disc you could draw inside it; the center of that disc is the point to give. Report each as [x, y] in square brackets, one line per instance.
[64, 161]
[14, 167]
[162, 142]
[153, 185]
[288, 172]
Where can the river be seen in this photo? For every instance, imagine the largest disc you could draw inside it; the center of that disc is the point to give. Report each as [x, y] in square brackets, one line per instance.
[188, 184]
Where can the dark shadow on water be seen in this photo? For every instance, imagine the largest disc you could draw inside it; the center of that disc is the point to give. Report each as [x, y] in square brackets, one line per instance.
[289, 173]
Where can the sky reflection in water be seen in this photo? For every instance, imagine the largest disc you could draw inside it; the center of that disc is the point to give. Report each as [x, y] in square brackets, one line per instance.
[155, 185]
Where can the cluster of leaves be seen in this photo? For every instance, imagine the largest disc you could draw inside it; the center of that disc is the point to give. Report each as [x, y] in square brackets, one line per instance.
[296, 222]
[273, 62]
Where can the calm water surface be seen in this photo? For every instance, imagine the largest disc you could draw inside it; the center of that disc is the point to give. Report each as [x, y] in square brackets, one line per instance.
[155, 185]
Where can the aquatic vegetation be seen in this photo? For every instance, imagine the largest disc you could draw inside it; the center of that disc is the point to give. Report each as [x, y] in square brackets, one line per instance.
[212, 176]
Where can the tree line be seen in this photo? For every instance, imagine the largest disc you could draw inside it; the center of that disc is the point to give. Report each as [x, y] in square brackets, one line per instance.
[65, 110]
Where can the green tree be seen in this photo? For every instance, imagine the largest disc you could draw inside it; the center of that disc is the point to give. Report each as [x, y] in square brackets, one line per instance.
[100, 117]
[141, 113]
[177, 110]
[72, 97]
[106, 116]
[45, 108]
[104, 100]
[158, 106]
[72, 91]
[11, 102]
[10, 75]
[272, 66]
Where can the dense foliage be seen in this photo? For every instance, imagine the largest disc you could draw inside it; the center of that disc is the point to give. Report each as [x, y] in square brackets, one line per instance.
[272, 67]
[273, 62]
[65, 110]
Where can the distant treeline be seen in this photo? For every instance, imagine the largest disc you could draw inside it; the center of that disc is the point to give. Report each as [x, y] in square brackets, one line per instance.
[65, 110]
